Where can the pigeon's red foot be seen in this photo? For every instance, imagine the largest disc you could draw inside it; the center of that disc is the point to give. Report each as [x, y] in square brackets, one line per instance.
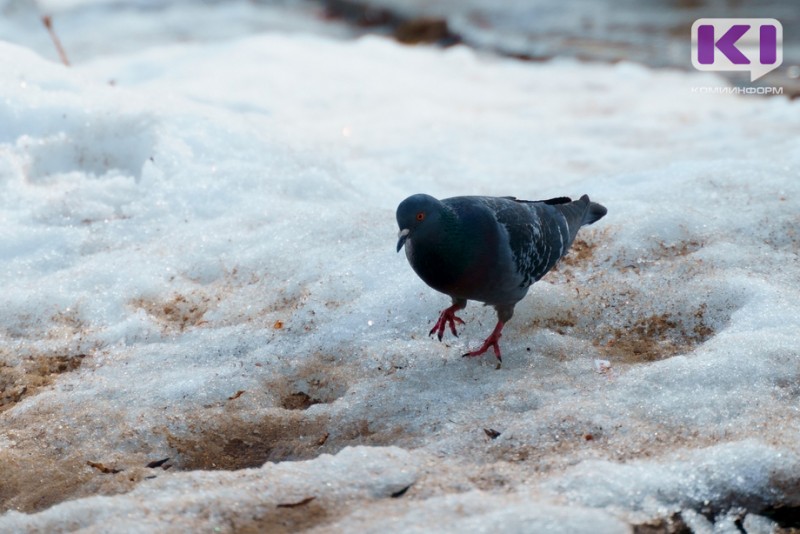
[491, 341]
[447, 317]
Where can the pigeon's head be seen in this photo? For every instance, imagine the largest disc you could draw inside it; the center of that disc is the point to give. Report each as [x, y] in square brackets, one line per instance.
[416, 216]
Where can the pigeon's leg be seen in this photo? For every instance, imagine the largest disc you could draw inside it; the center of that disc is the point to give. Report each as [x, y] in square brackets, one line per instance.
[448, 316]
[491, 341]
[504, 314]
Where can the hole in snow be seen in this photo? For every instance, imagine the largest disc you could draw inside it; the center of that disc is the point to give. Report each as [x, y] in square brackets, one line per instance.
[315, 381]
[636, 314]
[235, 442]
[304, 423]
[298, 401]
[215, 441]
[658, 336]
[310, 387]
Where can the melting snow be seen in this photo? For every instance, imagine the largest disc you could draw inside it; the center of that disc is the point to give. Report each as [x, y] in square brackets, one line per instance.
[198, 264]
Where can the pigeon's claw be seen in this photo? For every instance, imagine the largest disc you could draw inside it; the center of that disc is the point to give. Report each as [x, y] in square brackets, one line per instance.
[492, 341]
[447, 317]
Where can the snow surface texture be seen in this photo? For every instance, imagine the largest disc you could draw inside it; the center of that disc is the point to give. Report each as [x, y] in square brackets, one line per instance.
[198, 264]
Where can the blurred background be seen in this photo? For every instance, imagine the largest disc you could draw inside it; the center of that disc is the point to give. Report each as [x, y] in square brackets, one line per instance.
[650, 32]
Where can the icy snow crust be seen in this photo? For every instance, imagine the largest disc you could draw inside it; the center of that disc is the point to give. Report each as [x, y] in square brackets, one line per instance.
[198, 264]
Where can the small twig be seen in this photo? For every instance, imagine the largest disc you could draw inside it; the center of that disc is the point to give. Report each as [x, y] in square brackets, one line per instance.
[296, 504]
[48, 23]
[103, 469]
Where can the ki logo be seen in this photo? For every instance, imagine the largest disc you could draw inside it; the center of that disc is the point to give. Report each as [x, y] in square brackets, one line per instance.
[754, 45]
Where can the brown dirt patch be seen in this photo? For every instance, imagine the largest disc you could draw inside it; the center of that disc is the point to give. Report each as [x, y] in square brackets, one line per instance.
[298, 401]
[630, 338]
[561, 322]
[177, 312]
[34, 480]
[673, 524]
[680, 249]
[228, 437]
[275, 302]
[220, 442]
[661, 253]
[285, 520]
[318, 381]
[32, 373]
[630, 319]
[236, 443]
[38, 482]
[422, 30]
[580, 253]
[655, 337]
[39, 354]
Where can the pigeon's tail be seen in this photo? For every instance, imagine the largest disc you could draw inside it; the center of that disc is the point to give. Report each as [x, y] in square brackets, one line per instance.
[578, 212]
[582, 211]
[594, 211]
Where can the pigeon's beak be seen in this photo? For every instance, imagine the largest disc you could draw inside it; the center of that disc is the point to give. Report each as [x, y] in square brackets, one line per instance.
[402, 236]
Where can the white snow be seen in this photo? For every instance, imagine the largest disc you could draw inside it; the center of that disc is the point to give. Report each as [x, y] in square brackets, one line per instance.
[198, 263]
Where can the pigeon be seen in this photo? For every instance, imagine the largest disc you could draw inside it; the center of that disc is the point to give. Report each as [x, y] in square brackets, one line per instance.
[487, 249]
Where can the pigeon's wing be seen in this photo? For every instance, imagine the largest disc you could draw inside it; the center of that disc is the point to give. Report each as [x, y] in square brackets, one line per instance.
[577, 213]
[541, 232]
[537, 236]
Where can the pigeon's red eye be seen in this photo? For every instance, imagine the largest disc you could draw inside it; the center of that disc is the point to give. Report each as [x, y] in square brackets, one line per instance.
[420, 215]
